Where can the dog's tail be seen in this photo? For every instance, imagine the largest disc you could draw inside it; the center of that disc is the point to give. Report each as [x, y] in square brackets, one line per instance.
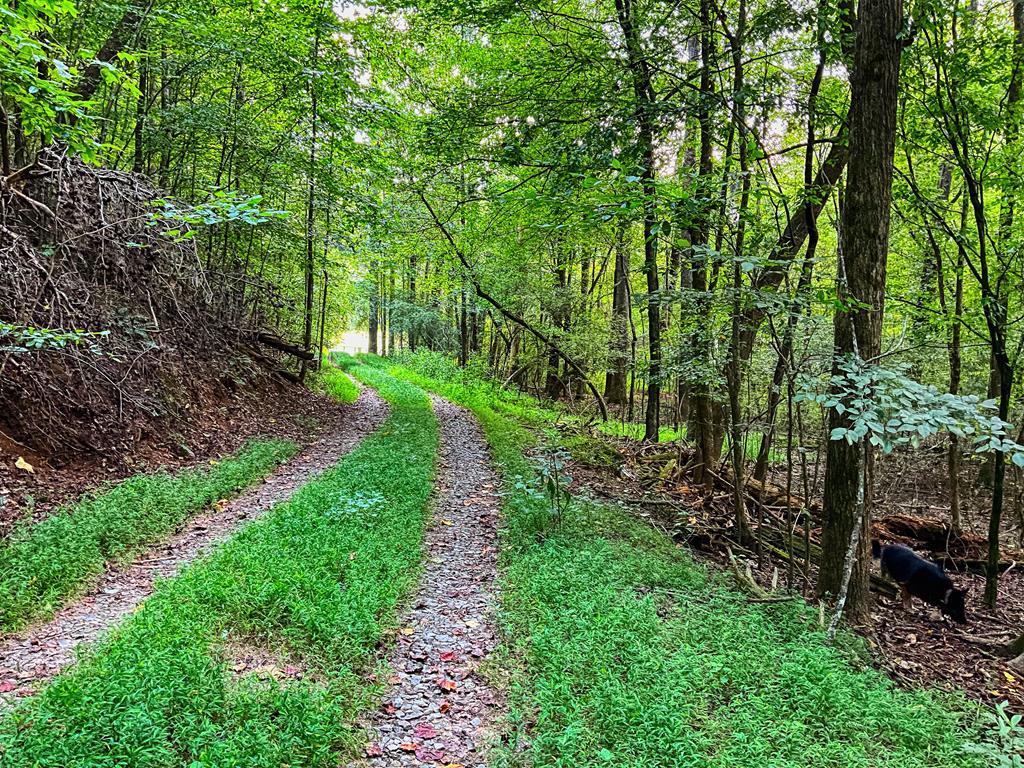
[876, 549]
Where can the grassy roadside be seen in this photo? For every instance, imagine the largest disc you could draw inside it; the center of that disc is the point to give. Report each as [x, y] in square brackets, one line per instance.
[314, 583]
[628, 653]
[332, 381]
[44, 564]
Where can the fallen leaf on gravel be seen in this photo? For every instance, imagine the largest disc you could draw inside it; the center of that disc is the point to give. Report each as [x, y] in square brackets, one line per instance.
[448, 656]
[24, 465]
[444, 707]
[425, 731]
[407, 630]
[447, 685]
[409, 746]
[472, 623]
[374, 750]
[6, 686]
[446, 522]
[390, 709]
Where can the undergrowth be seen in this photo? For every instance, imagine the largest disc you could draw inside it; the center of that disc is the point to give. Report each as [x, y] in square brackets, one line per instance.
[628, 653]
[43, 564]
[316, 579]
[332, 381]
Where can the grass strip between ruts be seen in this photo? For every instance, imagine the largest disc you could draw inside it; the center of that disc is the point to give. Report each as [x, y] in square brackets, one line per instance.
[44, 564]
[626, 652]
[315, 582]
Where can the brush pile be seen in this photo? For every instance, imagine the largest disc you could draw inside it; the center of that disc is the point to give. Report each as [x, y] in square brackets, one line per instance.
[81, 250]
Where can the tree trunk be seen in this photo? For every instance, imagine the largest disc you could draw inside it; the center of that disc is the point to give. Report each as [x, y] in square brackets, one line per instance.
[307, 325]
[618, 347]
[862, 276]
[643, 93]
[119, 37]
[784, 362]
[374, 329]
[734, 366]
[413, 339]
[702, 424]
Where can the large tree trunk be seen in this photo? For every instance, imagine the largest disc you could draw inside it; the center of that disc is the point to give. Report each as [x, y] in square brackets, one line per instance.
[862, 274]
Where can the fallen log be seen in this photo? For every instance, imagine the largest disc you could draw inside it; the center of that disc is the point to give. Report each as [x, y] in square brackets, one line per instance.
[772, 495]
[284, 346]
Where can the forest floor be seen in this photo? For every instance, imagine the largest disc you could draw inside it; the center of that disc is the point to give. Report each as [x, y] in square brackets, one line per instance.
[917, 647]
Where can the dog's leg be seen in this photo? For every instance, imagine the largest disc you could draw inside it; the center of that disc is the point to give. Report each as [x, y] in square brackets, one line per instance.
[906, 597]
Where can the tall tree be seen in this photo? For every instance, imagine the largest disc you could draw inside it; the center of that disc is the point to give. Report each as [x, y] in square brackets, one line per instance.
[861, 289]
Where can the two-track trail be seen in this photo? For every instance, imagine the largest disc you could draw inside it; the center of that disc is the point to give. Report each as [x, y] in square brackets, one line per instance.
[439, 709]
[34, 655]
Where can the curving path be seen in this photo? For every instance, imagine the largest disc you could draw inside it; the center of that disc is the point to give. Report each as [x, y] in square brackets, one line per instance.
[34, 655]
[439, 709]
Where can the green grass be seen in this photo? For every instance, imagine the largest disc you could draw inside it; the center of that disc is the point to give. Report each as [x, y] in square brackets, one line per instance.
[317, 579]
[44, 564]
[531, 412]
[625, 652]
[332, 381]
[635, 430]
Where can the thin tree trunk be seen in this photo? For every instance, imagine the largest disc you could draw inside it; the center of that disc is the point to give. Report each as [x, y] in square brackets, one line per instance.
[618, 347]
[643, 93]
[307, 326]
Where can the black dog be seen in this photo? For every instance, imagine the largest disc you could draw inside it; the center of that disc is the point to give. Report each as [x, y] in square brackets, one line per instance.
[918, 577]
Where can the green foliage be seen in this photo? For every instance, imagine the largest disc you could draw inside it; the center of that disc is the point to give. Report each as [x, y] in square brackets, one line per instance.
[332, 380]
[316, 579]
[220, 208]
[592, 450]
[20, 339]
[1004, 745]
[890, 409]
[342, 360]
[629, 653]
[35, 75]
[43, 564]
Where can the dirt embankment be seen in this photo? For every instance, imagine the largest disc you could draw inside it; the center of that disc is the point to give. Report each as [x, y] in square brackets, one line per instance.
[173, 375]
